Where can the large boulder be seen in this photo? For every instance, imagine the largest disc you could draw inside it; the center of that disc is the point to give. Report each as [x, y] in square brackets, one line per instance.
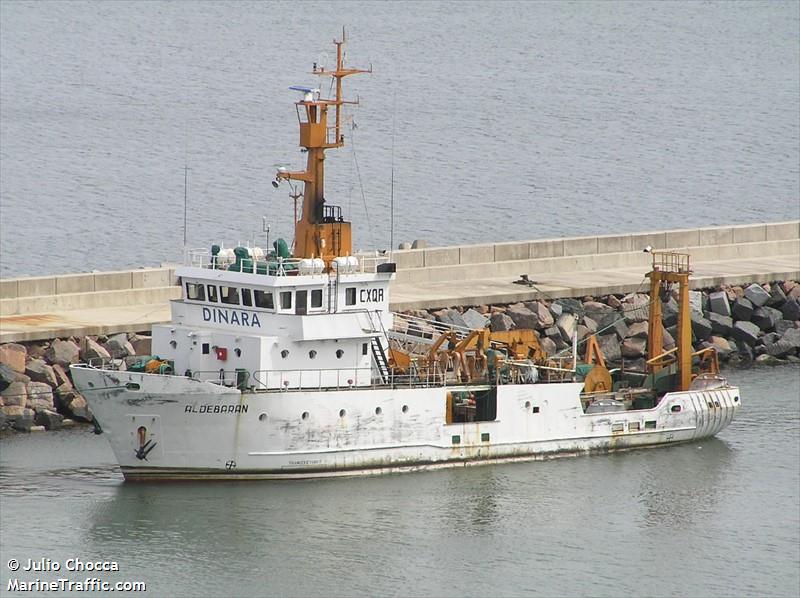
[722, 346]
[590, 323]
[15, 394]
[19, 418]
[765, 317]
[614, 301]
[633, 348]
[566, 325]
[792, 336]
[791, 310]
[7, 376]
[718, 303]
[669, 312]
[756, 294]
[37, 350]
[781, 326]
[554, 334]
[49, 419]
[92, 350]
[582, 332]
[119, 347]
[638, 330]
[548, 346]
[38, 371]
[609, 345]
[596, 310]
[79, 409]
[123, 348]
[776, 296]
[40, 396]
[522, 316]
[541, 313]
[720, 325]
[636, 308]
[556, 310]
[613, 322]
[742, 309]
[570, 305]
[13, 355]
[500, 322]
[700, 326]
[745, 351]
[64, 353]
[697, 301]
[472, 318]
[61, 375]
[746, 332]
[669, 341]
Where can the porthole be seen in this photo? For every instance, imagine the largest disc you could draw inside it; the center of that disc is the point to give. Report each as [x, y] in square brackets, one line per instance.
[285, 353]
[173, 344]
[735, 399]
[132, 386]
[262, 417]
[238, 352]
[342, 412]
[378, 410]
[405, 409]
[312, 354]
[527, 404]
[675, 409]
[339, 353]
[305, 415]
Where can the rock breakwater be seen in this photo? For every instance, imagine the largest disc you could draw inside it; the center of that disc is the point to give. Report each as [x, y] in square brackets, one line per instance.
[36, 388]
[745, 323]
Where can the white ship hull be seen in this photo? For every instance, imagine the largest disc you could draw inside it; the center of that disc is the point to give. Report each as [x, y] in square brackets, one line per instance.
[202, 430]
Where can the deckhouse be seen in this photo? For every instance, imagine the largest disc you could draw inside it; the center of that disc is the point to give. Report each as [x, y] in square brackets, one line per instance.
[301, 326]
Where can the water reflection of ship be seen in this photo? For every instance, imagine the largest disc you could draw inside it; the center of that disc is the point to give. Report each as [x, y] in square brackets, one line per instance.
[686, 484]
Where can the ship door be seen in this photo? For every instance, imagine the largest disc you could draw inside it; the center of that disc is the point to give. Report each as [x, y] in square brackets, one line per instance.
[301, 303]
[145, 434]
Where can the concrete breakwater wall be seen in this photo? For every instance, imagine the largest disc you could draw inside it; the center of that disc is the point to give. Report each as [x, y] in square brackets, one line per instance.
[755, 322]
[42, 294]
[589, 253]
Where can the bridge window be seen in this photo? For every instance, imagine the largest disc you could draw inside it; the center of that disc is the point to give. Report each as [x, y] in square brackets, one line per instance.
[229, 295]
[264, 299]
[195, 291]
[286, 300]
[316, 298]
[350, 296]
[212, 293]
[247, 298]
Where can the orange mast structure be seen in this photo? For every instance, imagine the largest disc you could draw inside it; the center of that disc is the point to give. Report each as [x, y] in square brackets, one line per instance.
[321, 230]
[668, 268]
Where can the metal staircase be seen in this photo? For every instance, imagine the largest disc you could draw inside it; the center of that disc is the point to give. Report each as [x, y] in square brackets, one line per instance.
[380, 359]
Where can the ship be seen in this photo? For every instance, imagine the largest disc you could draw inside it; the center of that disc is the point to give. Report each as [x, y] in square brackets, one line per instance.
[286, 362]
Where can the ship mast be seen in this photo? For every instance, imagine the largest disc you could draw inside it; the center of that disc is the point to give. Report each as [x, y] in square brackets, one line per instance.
[321, 230]
[669, 268]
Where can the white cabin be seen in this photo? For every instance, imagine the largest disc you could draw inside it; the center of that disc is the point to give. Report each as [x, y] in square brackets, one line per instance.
[300, 328]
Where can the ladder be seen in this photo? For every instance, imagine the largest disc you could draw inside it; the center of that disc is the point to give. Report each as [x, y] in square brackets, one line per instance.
[380, 360]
